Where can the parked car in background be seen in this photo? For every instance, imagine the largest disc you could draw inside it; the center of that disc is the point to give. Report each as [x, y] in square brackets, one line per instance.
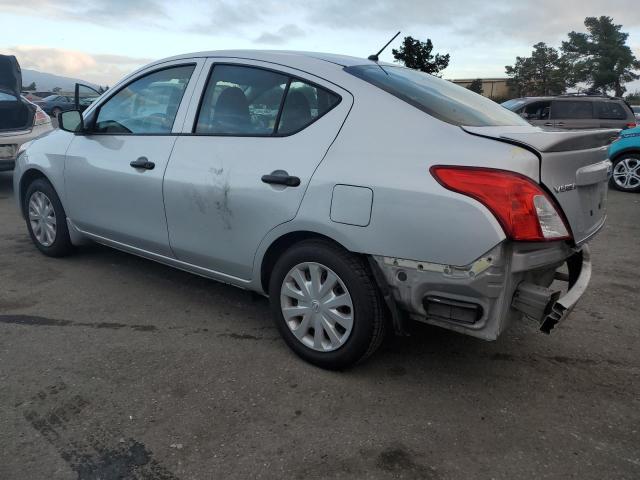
[55, 104]
[280, 172]
[636, 111]
[624, 152]
[574, 112]
[20, 120]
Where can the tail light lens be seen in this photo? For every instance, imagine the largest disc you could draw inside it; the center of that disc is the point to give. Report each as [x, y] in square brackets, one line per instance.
[40, 117]
[631, 125]
[524, 210]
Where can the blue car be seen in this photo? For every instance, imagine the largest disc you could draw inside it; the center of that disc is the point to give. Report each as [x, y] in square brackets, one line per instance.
[55, 104]
[624, 152]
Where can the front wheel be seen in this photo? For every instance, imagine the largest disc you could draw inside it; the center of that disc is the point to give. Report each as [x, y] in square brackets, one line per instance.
[626, 173]
[46, 219]
[326, 305]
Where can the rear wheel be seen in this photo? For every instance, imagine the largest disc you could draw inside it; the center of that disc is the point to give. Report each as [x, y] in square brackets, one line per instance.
[326, 305]
[626, 173]
[46, 219]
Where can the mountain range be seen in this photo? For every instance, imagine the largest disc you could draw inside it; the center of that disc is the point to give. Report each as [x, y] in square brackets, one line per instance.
[49, 81]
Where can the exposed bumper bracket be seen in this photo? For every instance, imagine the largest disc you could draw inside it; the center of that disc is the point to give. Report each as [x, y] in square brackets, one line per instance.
[545, 305]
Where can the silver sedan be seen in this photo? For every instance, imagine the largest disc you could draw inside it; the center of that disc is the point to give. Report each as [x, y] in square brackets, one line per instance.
[359, 196]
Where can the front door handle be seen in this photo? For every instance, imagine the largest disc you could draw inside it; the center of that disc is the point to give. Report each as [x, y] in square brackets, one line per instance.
[548, 124]
[144, 163]
[280, 177]
[560, 124]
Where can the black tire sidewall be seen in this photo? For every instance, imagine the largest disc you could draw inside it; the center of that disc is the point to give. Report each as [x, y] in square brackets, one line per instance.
[364, 312]
[62, 243]
[617, 160]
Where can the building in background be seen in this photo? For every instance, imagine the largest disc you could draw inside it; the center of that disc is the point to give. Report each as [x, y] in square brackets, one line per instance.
[496, 89]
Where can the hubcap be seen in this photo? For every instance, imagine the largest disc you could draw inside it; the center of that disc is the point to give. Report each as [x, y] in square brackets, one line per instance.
[42, 218]
[626, 173]
[316, 306]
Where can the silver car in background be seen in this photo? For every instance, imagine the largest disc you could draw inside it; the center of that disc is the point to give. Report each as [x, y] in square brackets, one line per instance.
[356, 195]
[20, 120]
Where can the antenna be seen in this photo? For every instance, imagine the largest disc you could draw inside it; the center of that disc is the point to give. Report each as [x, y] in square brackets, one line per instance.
[374, 58]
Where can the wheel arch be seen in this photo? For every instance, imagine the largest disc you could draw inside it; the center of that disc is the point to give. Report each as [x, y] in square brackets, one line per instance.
[280, 245]
[626, 151]
[29, 176]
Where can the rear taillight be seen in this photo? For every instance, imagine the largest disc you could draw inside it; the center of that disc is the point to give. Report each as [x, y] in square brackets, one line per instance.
[631, 125]
[40, 118]
[524, 210]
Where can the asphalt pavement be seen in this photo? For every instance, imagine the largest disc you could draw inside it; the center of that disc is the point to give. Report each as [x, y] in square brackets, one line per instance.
[112, 366]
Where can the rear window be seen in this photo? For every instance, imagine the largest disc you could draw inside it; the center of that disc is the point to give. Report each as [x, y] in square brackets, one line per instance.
[575, 110]
[610, 111]
[439, 98]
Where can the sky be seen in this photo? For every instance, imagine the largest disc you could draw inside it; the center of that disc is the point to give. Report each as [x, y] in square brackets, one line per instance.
[102, 40]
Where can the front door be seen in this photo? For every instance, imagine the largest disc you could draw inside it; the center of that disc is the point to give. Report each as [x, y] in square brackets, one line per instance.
[256, 140]
[114, 172]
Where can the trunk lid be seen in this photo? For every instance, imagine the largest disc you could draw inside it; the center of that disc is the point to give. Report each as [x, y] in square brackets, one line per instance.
[573, 167]
[10, 75]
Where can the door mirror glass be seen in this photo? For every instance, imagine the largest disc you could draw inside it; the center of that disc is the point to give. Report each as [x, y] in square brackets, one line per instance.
[71, 121]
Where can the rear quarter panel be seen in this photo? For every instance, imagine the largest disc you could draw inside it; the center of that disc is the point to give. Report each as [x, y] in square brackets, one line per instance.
[388, 146]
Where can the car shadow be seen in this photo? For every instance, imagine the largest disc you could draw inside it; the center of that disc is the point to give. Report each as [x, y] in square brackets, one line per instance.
[6, 185]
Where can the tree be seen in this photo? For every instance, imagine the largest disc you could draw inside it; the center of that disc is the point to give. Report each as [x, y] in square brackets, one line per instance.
[476, 86]
[31, 87]
[545, 72]
[633, 98]
[601, 57]
[56, 89]
[417, 55]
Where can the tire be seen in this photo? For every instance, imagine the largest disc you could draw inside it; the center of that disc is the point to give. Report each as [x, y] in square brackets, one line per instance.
[626, 173]
[347, 345]
[38, 214]
[56, 112]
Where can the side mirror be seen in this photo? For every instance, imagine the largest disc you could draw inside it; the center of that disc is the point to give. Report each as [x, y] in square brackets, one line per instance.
[71, 121]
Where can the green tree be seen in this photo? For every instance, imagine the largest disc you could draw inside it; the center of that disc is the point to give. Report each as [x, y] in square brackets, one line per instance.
[417, 55]
[633, 98]
[476, 86]
[56, 89]
[600, 57]
[31, 87]
[545, 72]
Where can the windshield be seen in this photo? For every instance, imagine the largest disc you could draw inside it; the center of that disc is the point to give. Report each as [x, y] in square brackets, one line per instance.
[7, 97]
[50, 98]
[513, 104]
[440, 98]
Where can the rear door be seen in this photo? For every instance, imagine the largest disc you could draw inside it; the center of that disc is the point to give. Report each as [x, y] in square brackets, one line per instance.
[573, 114]
[252, 126]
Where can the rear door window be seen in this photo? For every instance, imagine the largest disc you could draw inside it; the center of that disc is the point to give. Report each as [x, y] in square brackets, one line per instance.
[304, 104]
[241, 100]
[571, 109]
[610, 111]
[439, 98]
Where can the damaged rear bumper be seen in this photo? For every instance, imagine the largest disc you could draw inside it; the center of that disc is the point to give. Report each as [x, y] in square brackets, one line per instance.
[508, 283]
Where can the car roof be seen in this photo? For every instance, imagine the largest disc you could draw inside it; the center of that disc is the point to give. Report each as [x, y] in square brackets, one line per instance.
[580, 98]
[288, 56]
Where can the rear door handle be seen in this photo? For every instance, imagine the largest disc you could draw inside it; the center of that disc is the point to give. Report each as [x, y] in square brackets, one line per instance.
[560, 124]
[548, 124]
[281, 177]
[144, 163]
